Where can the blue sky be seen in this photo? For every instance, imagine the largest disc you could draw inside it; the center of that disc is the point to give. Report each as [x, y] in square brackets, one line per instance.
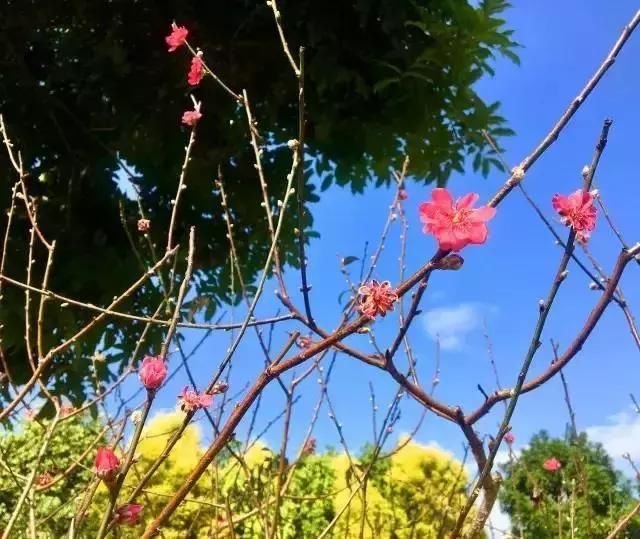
[502, 281]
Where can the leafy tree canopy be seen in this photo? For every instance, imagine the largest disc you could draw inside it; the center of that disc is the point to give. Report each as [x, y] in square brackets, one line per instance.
[61, 476]
[416, 491]
[91, 95]
[586, 490]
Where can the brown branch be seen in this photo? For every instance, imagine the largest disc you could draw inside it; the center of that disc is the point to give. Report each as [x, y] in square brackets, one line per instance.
[45, 362]
[545, 308]
[272, 372]
[624, 522]
[623, 259]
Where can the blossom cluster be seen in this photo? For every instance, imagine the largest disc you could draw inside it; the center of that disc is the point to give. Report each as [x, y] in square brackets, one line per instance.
[197, 70]
[107, 465]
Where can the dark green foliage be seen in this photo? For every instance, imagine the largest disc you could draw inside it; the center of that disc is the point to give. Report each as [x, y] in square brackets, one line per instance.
[87, 86]
[534, 497]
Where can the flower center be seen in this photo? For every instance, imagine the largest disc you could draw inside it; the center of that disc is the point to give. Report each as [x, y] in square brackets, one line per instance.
[460, 216]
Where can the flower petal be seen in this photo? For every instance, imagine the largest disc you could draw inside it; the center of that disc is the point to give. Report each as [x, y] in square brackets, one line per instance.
[442, 198]
[478, 233]
[467, 201]
[483, 214]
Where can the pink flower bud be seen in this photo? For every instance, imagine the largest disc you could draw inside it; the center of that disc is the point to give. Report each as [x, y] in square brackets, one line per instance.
[451, 262]
[44, 479]
[509, 437]
[220, 387]
[128, 514]
[309, 447]
[304, 342]
[152, 372]
[196, 72]
[552, 464]
[143, 225]
[106, 464]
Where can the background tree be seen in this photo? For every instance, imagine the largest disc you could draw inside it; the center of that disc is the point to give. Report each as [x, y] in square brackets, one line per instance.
[416, 491]
[585, 490]
[61, 477]
[92, 103]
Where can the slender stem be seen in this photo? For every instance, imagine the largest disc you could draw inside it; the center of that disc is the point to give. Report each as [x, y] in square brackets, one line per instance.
[285, 46]
[305, 288]
[46, 361]
[115, 489]
[624, 522]
[545, 308]
[181, 187]
[553, 135]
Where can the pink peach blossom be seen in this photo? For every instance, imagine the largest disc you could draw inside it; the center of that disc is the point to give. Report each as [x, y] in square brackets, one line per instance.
[191, 117]
[191, 400]
[376, 298]
[177, 37]
[577, 211]
[457, 224]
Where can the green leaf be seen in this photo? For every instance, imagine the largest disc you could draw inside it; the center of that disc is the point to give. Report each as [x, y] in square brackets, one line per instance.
[348, 260]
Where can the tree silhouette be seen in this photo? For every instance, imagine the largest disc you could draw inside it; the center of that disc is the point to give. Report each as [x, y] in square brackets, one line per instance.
[93, 100]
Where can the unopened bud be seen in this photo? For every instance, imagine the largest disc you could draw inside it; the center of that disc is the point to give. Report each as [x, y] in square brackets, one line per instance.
[293, 144]
[220, 387]
[450, 262]
[593, 286]
[563, 275]
[136, 417]
[542, 305]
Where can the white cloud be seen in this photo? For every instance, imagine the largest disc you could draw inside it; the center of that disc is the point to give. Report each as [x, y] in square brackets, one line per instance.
[453, 324]
[620, 435]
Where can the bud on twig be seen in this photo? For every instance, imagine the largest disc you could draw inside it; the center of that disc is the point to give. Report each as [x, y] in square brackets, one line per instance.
[517, 173]
[450, 262]
[220, 387]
